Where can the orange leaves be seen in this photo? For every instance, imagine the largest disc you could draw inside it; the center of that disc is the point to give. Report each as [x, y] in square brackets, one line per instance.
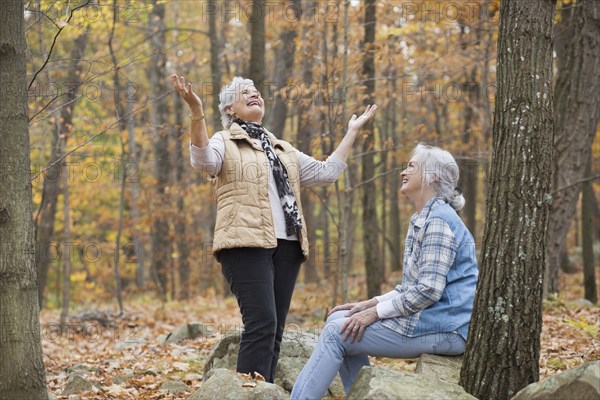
[128, 362]
[252, 380]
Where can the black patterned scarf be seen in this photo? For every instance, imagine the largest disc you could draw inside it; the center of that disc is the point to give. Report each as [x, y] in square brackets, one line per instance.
[293, 222]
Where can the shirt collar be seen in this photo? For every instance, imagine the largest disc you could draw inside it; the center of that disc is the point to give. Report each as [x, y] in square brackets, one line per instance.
[418, 219]
[237, 132]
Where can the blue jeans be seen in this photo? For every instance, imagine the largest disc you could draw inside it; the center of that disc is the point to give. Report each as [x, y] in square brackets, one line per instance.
[333, 355]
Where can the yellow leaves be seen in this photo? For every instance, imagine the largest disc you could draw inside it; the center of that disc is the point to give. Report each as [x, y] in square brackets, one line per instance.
[584, 325]
[78, 276]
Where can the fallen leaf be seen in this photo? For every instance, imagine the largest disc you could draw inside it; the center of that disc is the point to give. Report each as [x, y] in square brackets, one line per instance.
[114, 390]
[193, 377]
[181, 366]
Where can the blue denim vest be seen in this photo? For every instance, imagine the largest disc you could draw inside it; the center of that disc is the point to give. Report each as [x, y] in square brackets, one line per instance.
[452, 313]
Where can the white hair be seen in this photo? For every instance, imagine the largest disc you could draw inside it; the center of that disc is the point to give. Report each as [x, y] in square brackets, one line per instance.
[440, 170]
[227, 98]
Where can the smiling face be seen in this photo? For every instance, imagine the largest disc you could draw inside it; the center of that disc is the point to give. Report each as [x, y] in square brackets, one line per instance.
[414, 184]
[247, 105]
[412, 180]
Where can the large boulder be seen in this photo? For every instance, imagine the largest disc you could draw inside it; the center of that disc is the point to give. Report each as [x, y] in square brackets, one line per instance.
[228, 385]
[386, 384]
[441, 367]
[581, 383]
[296, 348]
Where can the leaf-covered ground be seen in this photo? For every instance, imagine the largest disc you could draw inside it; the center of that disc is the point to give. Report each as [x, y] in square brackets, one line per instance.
[124, 360]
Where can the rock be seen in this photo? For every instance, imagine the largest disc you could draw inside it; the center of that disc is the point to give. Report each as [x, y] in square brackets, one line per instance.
[221, 379]
[81, 369]
[584, 303]
[224, 354]
[174, 387]
[150, 371]
[161, 338]
[76, 384]
[130, 343]
[296, 349]
[383, 384]
[187, 331]
[51, 396]
[122, 378]
[581, 383]
[442, 367]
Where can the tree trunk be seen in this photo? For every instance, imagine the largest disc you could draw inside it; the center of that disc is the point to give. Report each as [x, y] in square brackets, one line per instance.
[257, 44]
[51, 186]
[469, 184]
[183, 252]
[503, 349]
[485, 104]
[587, 237]
[344, 197]
[395, 183]
[66, 254]
[215, 64]
[577, 95]
[134, 185]
[565, 263]
[22, 374]
[304, 134]
[284, 69]
[373, 267]
[162, 166]
[384, 130]
[116, 258]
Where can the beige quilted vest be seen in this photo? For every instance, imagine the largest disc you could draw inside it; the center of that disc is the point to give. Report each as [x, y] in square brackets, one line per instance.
[244, 217]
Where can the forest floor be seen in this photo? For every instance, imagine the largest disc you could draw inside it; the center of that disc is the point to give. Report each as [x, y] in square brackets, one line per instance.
[126, 361]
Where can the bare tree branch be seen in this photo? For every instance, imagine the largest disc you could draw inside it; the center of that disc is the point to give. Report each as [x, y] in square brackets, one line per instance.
[324, 204]
[589, 178]
[111, 126]
[54, 42]
[392, 171]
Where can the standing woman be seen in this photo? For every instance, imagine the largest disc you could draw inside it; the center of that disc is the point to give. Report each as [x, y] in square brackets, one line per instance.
[260, 234]
[430, 311]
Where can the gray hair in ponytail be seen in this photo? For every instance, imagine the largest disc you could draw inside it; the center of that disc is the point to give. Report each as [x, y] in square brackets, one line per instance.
[440, 170]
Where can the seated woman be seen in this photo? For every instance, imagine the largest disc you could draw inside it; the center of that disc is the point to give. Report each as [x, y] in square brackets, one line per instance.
[429, 312]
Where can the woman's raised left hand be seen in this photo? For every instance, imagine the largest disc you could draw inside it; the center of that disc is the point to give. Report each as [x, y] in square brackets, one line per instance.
[357, 122]
[355, 326]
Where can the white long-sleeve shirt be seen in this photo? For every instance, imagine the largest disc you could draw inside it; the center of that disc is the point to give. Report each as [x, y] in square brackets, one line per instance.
[313, 172]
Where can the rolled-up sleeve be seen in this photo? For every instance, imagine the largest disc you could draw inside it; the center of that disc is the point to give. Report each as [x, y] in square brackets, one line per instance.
[314, 172]
[438, 251]
[208, 160]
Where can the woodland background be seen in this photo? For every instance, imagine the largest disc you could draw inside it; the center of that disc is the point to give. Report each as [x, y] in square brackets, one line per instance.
[124, 224]
[107, 128]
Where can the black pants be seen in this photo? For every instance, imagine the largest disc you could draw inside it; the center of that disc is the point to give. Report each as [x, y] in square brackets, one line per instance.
[262, 281]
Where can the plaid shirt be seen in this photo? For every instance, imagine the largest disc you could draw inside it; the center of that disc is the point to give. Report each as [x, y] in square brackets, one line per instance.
[430, 252]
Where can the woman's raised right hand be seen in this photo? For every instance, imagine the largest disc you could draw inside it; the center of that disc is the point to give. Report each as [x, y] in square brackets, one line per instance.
[187, 93]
